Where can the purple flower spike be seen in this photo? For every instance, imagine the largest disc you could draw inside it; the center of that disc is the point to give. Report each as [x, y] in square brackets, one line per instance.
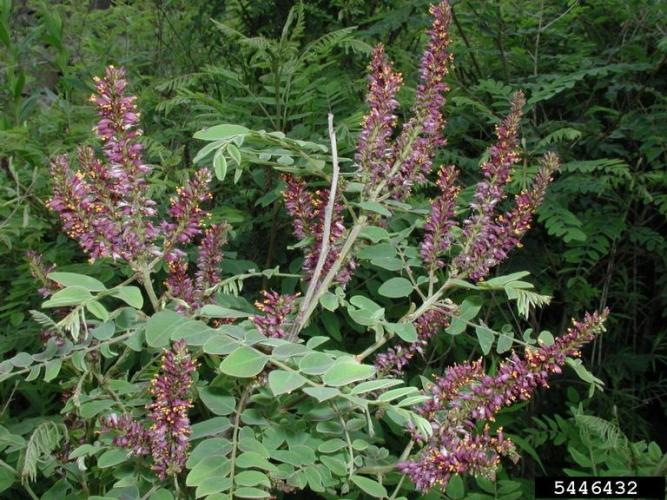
[179, 283]
[395, 359]
[210, 257]
[423, 134]
[168, 438]
[275, 308]
[479, 228]
[170, 432]
[374, 146]
[104, 205]
[186, 212]
[307, 212]
[466, 396]
[437, 237]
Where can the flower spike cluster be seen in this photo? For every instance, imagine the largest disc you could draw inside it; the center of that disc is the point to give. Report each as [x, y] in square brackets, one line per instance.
[167, 439]
[466, 396]
[194, 293]
[105, 205]
[423, 133]
[275, 309]
[410, 159]
[307, 211]
[479, 229]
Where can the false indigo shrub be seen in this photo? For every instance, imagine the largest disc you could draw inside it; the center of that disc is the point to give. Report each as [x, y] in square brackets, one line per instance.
[248, 402]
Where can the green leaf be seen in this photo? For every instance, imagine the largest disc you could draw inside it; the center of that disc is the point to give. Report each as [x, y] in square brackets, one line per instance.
[235, 153]
[251, 459]
[321, 393]
[455, 487]
[104, 331]
[212, 447]
[379, 251]
[334, 464]
[406, 331]
[219, 132]
[131, 295]
[252, 478]
[244, 362]
[485, 337]
[92, 408]
[98, 310]
[112, 457]
[374, 206]
[505, 341]
[375, 385]
[284, 382]
[470, 307]
[211, 427]
[329, 301]
[374, 233]
[209, 466]
[52, 369]
[220, 165]
[244, 492]
[331, 446]
[162, 494]
[397, 393]
[7, 478]
[347, 371]
[77, 280]
[161, 326]
[212, 485]
[395, 288]
[72, 296]
[369, 486]
[456, 327]
[499, 282]
[217, 400]
[215, 311]
[315, 363]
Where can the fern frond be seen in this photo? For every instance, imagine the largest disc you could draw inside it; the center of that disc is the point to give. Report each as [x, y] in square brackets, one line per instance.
[43, 441]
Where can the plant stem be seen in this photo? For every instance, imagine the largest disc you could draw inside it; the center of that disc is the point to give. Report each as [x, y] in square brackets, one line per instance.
[148, 286]
[326, 231]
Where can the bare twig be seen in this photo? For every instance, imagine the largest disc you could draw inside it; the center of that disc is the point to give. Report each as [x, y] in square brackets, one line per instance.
[326, 232]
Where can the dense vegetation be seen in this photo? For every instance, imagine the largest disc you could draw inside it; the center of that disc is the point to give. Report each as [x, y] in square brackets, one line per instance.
[285, 374]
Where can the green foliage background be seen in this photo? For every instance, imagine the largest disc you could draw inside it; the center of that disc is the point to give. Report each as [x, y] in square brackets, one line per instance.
[594, 73]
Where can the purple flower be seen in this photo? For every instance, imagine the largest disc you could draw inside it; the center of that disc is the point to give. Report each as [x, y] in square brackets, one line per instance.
[466, 396]
[170, 432]
[374, 145]
[168, 438]
[186, 212]
[104, 205]
[307, 211]
[275, 309]
[210, 257]
[437, 230]
[179, 283]
[129, 432]
[479, 228]
[423, 133]
[396, 358]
